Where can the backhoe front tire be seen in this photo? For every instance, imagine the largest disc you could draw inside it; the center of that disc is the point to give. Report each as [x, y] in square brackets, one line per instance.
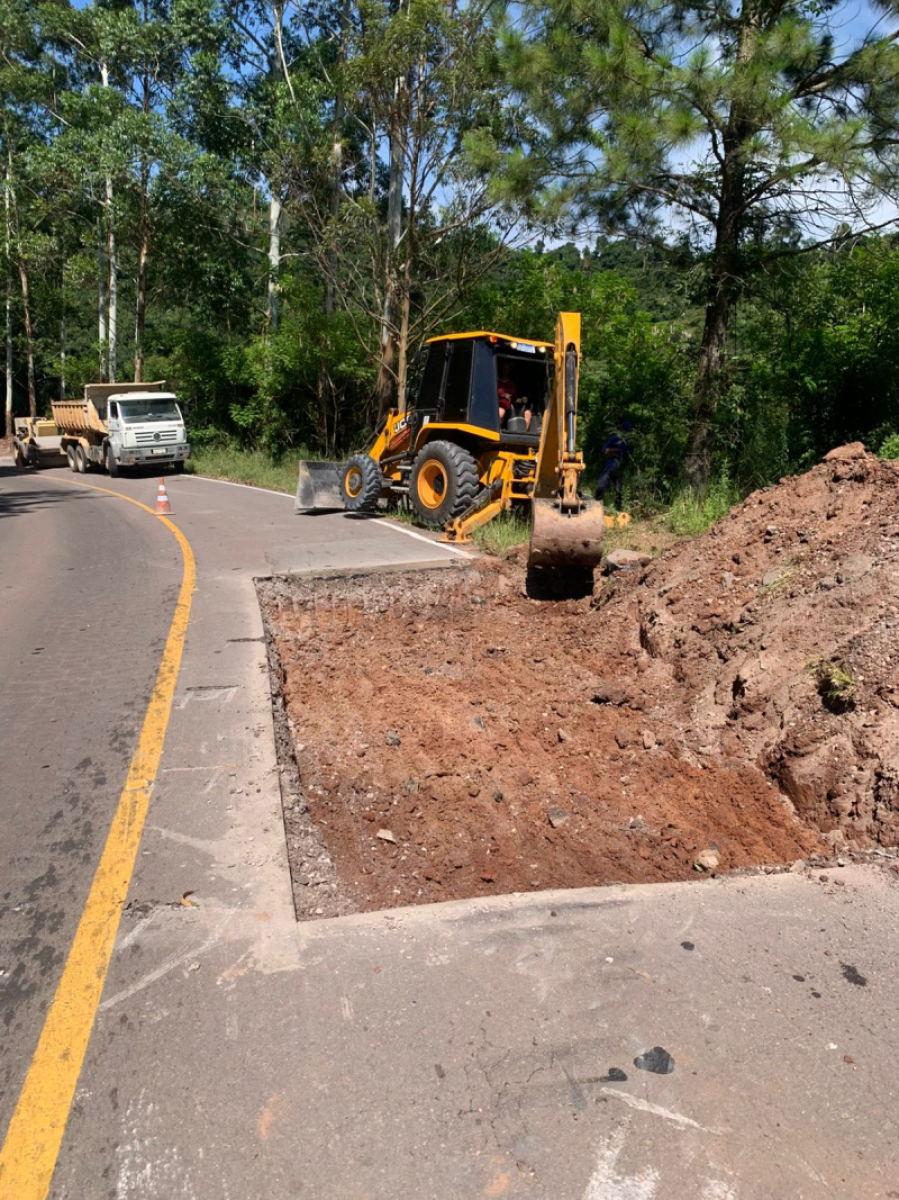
[360, 484]
[443, 484]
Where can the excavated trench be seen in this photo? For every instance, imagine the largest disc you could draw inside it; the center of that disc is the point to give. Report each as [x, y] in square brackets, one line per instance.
[735, 704]
[443, 736]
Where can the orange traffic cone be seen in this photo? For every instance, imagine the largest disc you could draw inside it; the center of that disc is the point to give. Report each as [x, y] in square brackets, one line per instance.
[163, 508]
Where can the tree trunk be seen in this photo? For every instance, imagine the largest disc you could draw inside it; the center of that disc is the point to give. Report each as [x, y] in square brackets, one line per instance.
[723, 290]
[62, 354]
[8, 246]
[416, 136]
[112, 317]
[336, 168]
[708, 387]
[724, 285]
[102, 301]
[402, 346]
[29, 336]
[143, 252]
[113, 323]
[274, 260]
[386, 374]
[143, 235]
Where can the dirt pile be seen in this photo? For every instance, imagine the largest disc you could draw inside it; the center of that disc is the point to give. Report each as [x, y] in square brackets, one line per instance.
[454, 737]
[775, 638]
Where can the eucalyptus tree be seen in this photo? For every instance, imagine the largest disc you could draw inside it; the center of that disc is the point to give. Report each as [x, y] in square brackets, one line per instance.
[763, 124]
[150, 89]
[31, 74]
[408, 221]
[424, 71]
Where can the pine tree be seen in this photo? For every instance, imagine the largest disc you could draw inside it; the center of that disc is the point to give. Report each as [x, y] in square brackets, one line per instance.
[752, 120]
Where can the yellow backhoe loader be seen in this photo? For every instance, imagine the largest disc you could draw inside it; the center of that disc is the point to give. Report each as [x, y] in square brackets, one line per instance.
[461, 459]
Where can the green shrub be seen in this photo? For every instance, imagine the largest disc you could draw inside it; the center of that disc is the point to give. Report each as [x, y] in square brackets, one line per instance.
[889, 447]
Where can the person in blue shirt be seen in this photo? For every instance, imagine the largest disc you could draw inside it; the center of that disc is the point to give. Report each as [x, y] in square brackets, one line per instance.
[617, 451]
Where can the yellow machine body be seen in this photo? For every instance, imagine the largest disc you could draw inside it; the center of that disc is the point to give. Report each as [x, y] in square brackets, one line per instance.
[460, 463]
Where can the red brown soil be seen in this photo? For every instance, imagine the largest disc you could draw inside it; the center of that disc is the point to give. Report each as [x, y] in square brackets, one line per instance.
[678, 711]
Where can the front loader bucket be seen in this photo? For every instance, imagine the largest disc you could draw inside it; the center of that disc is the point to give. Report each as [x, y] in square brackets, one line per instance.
[319, 486]
[566, 539]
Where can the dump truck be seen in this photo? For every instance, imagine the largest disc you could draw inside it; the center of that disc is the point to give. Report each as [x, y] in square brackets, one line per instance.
[122, 425]
[37, 442]
[461, 458]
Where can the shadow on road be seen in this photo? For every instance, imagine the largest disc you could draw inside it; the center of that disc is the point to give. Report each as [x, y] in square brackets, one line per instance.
[18, 500]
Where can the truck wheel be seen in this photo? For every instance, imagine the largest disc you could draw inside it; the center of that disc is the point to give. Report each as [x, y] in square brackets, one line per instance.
[80, 460]
[111, 465]
[178, 468]
[360, 484]
[70, 456]
[444, 482]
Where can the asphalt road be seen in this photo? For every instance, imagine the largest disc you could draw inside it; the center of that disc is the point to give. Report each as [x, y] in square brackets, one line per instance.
[727, 1040]
[88, 585]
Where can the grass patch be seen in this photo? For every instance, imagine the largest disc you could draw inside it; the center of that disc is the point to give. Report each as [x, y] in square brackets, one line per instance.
[511, 529]
[691, 513]
[650, 535]
[404, 514]
[503, 533]
[248, 466]
[836, 687]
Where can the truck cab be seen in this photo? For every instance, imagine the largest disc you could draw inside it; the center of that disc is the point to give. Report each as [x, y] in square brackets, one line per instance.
[145, 428]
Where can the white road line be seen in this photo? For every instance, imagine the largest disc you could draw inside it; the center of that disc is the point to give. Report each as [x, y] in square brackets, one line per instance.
[421, 537]
[376, 520]
[249, 486]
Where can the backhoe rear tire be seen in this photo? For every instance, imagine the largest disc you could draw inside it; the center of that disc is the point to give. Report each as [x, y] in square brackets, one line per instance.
[443, 484]
[360, 484]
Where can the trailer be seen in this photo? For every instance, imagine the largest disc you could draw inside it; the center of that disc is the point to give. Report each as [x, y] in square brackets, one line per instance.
[121, 425]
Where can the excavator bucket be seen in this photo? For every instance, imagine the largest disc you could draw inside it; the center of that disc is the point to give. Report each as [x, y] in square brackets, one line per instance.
[566, 539]
[566, 529]
[319, 486]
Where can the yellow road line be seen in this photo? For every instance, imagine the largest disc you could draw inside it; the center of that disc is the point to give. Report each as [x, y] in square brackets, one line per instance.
[29, 1153]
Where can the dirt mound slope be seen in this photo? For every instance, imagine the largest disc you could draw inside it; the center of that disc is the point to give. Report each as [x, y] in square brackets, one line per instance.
[455, 737]
[772, 640]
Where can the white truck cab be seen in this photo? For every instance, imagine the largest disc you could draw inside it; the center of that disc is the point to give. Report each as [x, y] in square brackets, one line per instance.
[146, 427]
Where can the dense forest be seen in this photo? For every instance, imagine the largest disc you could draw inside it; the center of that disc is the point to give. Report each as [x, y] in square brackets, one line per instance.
[272, 205]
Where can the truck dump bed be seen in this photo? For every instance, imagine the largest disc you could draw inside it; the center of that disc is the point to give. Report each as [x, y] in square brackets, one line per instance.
[78, 416]
[89, 414]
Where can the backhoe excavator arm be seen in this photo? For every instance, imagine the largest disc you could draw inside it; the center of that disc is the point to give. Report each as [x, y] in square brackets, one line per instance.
[566, 528]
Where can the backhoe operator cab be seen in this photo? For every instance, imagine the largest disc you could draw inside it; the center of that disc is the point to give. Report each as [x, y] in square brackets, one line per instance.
[459, 389]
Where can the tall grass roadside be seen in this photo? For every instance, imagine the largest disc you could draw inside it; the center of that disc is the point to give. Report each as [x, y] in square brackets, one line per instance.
[692, 513]
[248, 466]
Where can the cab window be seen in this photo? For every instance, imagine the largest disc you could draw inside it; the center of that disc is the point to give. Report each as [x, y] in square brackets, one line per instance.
[458, 383]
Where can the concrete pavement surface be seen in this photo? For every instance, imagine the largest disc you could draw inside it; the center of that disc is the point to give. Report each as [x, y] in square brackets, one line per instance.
[728, 1039]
